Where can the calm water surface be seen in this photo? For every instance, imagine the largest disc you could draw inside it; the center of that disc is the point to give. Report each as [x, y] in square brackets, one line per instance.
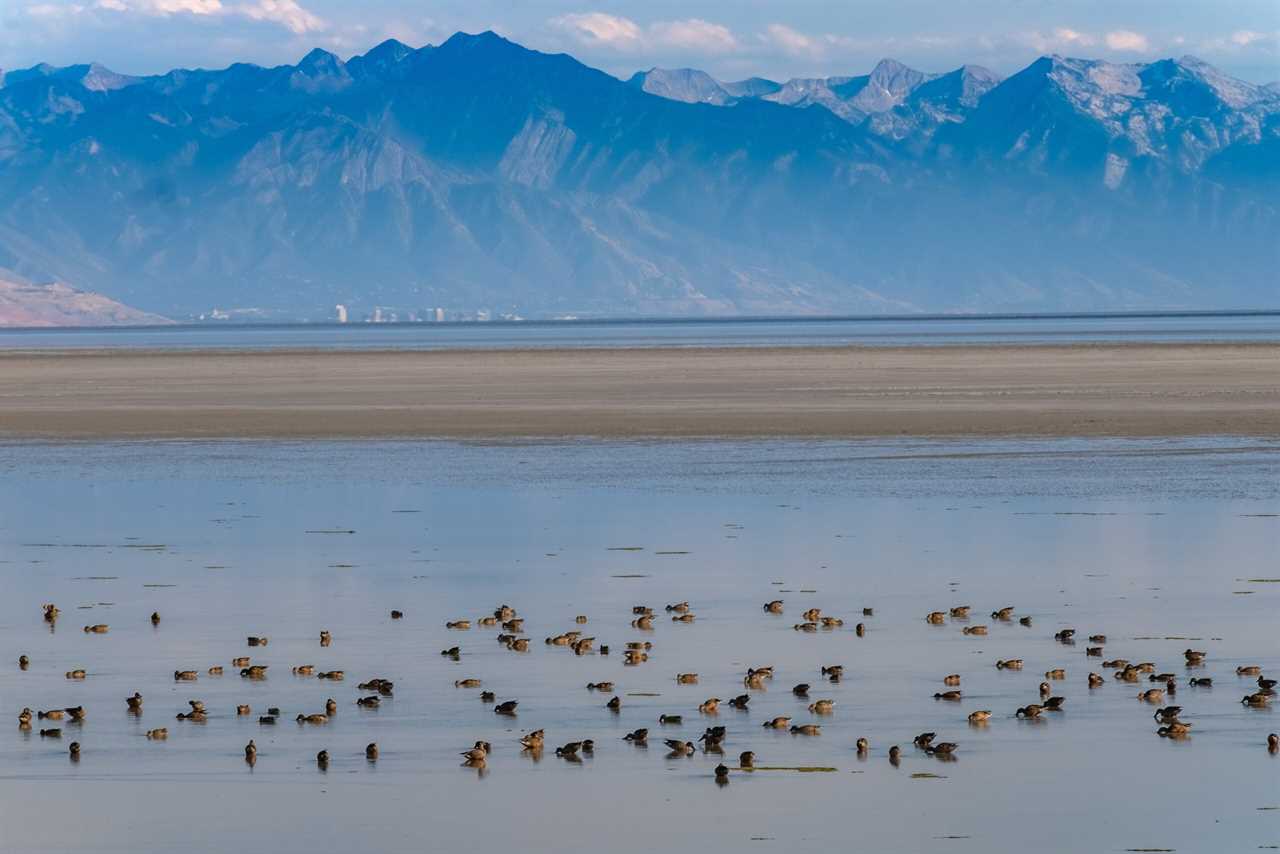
[1149, 542]
[763, 332]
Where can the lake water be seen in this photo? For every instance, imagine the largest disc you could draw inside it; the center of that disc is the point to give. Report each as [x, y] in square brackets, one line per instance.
[1158, 544]
[764, 332]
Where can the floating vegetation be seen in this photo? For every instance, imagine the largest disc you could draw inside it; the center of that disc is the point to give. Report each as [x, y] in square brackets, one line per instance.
[926, 775]
[625, 549]
[330, 531]
[671, 552]
[342, 566]
[632, 575]
[406, 511]
[1241, 592]
[159, 585]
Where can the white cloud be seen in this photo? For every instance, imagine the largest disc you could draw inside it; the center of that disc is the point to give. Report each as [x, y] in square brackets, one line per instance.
[1128, 40]
[791, 41]
[598, 29]
[287, 13]
[694, 34]
[1244, 38]
[1068, 36]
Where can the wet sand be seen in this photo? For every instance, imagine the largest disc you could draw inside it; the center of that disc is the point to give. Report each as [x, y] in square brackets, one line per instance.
[1032, 390]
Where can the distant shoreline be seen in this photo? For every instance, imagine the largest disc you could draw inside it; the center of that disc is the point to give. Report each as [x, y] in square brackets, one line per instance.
[1134, 389]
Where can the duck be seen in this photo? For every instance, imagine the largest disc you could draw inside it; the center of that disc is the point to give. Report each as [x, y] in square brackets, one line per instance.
[671, 720]
[254, 671]
[322, 758]
[980, 717]
[76, 713]
[950, 696]
[267, 720]
[332, 675]
[478, 753]
[51, 733]
[603, 687]
[682, 748]
[458, 624]
[812, 615]
[833, 671]
[774, 607]
[1266, 684]
[1167, 714]
[75, 674]
[1054, 704]
[822, 707]
[1095, 651]
[832, 622]
[746, 759]
[1273, 742]
[1065, 636]
[325, 638]
[801, 690]
[1249, 670]
[312, 719]
[942, 748]
[97, 629]
[250, 751]
[1009, 664]
[974, 630]
[1201, 682]
[1098, 639]
[452, 652]
[532, 740]
[216, 670]
[1151, 695]
[951, 679]
[868, 612]
[1257, 700]
[895, 755]
[470, 682]
[1024, 621]
[1005, 613]
[23, 662]
[581, 619]
[258, 641]
[1095, 681]
[753, 680]
[860, 630]
[924, 739]
[678, 607]
[686, 678]
[722, 773]
[862, 746]
[330, 706]
[159, 734]
[644, 623]
[1174, 729]
[370, 702]
[397, 615]
[805, 627]
[371, 751]
[242, 709]
[614, 704]
[515, 625]
[507, 707]
[740, 702]
[24, 718]
[1194, 656]
[1116, 663]
[780, 722]
[936, 617]
[806, 729]
[638, 736]
[1029, 711]
[710, 706]
[135, 702]
[1057, 673]
[1045, 690]
[51, 612]
[961, 611]
[199, 716]
[52, 714]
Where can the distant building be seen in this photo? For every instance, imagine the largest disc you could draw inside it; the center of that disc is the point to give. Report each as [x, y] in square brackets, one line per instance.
[342, 312]
[439, 315]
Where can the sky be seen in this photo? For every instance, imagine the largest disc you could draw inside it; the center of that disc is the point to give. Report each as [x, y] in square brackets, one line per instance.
[731, 39]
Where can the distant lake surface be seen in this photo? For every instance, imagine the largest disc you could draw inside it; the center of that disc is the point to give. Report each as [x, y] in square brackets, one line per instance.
[1160, 545]
[865, 331]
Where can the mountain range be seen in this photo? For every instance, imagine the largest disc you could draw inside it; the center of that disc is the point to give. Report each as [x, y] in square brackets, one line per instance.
[480, 176]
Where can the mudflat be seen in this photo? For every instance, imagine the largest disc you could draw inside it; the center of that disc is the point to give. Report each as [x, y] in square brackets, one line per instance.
[1024, 390]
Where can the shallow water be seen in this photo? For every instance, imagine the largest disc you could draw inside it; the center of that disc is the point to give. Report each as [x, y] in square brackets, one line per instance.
[1149, 542]
[720, 332]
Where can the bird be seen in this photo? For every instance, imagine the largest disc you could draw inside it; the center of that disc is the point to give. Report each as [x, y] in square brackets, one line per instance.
[614, 704]
[1009, 664]
[371, 751]
[250, 751]
[1095, 680]
[23, 662]
[924, 739]
[1273, 742]
[806, 729]
[862, 746]
[980, 717]
[639, 736]
[952, 696]
[322, 758]
[477, 754]
[1029, 711]
[952, 679]
[74, 751]
[507, 707]
[781, 722]
[135, 702]
[157, 734]
[673, 720]
[740, 702]
[684, 748]
[822, 707]
[532, 741]
[943, 748]
[710, 706]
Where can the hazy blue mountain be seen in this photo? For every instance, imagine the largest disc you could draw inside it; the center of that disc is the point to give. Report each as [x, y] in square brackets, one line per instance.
[480, 175]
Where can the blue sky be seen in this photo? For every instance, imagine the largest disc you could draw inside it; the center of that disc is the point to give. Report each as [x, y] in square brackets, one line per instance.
[730, 38]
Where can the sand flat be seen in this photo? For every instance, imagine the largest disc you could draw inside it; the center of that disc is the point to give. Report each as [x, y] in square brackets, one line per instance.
[1048, 390]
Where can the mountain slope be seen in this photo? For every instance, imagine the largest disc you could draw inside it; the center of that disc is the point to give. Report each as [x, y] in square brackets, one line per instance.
[23, 304]
[478, 175]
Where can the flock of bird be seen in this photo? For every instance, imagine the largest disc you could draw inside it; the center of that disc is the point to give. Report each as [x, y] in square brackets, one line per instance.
[1158, 687]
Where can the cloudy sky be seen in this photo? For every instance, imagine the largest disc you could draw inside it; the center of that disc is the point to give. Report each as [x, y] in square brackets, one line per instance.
[730, 38]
